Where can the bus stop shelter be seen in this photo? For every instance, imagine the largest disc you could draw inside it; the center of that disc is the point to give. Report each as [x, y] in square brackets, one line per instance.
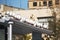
[23, 28]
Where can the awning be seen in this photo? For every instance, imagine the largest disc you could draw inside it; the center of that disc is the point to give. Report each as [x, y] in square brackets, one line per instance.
[24, 28]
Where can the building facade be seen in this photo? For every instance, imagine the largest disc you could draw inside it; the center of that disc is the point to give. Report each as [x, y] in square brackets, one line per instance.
[36, 4]
[5, 8]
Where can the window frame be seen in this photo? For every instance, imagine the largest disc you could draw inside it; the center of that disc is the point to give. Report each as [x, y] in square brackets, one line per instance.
[50, 3]
[39, 3]
[44, 3]
[57, 2]
[34, 3]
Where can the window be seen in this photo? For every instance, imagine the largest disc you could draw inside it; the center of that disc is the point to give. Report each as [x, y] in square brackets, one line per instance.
[50, 3]
[39, 3]
[57, 2]
[34, 3]
[45, 3]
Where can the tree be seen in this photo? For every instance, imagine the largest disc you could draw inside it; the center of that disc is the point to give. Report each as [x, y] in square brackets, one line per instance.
[55, 25]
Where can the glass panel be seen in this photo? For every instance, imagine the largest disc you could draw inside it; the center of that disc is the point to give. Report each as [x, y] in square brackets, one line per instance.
[2, 34]
[13, 37]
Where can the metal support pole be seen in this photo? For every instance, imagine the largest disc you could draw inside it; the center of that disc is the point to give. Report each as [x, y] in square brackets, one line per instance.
[10, 30]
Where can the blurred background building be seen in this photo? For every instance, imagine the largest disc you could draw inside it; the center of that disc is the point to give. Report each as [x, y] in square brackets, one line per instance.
[37, 4]
[42, 10]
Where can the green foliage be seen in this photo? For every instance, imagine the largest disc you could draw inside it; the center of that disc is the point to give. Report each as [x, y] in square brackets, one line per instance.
[27, 36]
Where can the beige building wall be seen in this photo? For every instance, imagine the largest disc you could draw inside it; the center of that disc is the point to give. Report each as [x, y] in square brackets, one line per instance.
[35, 13]
[1, 8]
[30, 4]
[36, 7]
[27, 13]
[5, 8]
[10, 8]
[57, 10]
[53, 1]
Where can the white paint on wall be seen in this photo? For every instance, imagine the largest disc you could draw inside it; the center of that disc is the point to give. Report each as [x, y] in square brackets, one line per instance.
[36, 13]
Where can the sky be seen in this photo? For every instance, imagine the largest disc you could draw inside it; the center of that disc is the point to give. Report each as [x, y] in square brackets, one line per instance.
[24, 4]
[16, 3]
